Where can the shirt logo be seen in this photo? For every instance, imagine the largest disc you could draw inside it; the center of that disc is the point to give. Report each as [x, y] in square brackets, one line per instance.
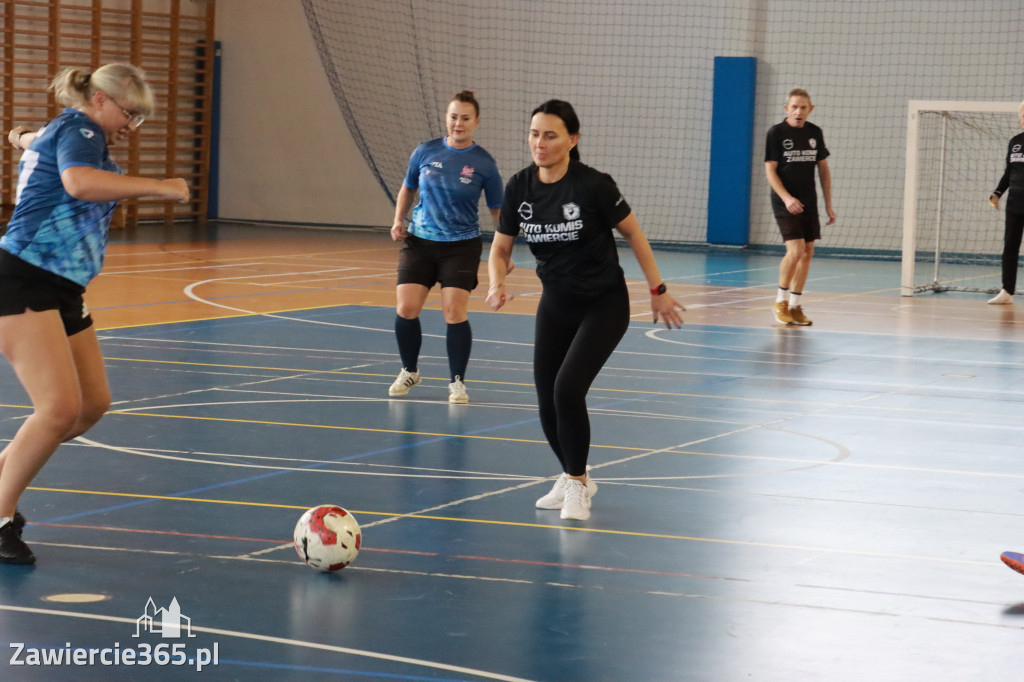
[787, 144]
[467, 171]
[526, 210]
[86, 133]
[436, 164]
[571, 211]
[1016, 147]
[813, 143]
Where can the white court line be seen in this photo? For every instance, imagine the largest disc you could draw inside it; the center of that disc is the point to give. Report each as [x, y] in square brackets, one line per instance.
[278, 640]
[901, 390]
[309, 470]
[112, 253]
[322, 280]
[653, 334]
[190, 292]
[198, 266]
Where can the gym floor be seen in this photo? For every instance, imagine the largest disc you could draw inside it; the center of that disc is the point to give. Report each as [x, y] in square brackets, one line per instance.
[775, 503]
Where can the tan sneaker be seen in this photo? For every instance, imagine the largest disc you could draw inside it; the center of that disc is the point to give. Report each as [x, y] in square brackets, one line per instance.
[781, 309]
[796, 313]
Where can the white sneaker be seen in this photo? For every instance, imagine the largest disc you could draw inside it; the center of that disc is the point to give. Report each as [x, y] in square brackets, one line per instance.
[404, 382]
[577, 501]
[1002, 298]
[457, 391]
[556, 496]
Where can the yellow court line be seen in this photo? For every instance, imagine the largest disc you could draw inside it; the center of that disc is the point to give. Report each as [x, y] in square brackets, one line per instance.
[359, 428]
[522, 524]
[307, 370]
[303, 370]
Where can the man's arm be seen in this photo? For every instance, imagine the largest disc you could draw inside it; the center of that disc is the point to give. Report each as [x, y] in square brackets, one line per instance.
[826, 189]
[793, 204]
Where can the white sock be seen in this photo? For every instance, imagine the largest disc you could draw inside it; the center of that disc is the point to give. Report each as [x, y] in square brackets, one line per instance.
[781, 295]
[794, 299]
[4, 520]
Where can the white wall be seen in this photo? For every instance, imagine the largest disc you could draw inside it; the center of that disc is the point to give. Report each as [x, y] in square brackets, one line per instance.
[639, 73]
[285, 152]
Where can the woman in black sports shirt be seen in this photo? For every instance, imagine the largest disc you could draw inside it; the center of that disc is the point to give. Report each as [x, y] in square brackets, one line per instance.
[1013, 179]
[566, 211]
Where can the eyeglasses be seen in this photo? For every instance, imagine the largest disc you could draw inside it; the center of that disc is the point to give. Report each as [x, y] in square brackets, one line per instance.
[134, 119]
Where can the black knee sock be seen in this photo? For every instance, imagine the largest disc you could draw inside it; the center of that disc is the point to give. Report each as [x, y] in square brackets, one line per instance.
[410, 337]
[460, 341]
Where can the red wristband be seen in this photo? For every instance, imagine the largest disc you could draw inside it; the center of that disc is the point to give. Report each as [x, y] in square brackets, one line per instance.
[659, 290]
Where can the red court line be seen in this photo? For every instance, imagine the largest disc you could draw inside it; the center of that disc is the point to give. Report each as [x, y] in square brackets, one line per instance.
[210, 536]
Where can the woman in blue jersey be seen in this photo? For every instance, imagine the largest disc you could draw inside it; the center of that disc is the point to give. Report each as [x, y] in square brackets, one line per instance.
[442, 241]
[568, 213]
[68, 187]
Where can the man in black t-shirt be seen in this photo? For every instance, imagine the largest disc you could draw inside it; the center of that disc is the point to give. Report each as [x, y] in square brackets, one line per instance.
[793, 149]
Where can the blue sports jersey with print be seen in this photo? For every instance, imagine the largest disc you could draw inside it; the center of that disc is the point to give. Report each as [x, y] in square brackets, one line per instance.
[51, 229]
[450, 182]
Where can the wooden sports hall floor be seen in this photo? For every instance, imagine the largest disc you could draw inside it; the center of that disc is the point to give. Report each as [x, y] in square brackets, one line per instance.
[774, 503]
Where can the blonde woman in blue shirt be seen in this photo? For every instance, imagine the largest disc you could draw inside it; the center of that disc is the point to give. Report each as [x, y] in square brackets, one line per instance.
[68, 187]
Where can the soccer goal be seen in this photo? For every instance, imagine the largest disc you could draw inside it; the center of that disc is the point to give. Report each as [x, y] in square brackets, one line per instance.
[956, 153]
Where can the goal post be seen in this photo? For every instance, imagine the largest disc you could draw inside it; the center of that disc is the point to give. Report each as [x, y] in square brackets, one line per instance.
[955, 156]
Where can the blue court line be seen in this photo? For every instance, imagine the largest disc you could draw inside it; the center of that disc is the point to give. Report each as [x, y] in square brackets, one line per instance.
[317, 465]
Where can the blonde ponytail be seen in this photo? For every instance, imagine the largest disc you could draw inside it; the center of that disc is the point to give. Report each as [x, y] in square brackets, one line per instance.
[126, 83]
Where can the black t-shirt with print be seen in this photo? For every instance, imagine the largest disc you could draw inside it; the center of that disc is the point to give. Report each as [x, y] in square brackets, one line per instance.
[1013, 177]
[568, 225]
[797, 152]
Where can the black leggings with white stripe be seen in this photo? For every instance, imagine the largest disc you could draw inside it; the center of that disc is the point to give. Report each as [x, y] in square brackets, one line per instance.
[574, 338]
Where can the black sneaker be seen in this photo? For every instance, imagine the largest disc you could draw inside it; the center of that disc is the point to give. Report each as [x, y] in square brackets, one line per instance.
[12, 549]
[18, 521]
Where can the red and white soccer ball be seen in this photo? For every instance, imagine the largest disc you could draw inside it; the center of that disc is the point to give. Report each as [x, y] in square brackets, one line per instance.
[327, 538]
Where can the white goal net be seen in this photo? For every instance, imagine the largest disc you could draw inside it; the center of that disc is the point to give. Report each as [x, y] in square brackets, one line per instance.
[956, 154]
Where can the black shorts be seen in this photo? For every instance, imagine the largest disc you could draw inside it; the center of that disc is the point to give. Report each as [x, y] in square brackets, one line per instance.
[23, 287]
[453, 264]
[801, 226]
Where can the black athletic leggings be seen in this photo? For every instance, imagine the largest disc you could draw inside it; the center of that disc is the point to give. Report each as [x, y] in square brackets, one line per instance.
[574, 338]
[1011, 249]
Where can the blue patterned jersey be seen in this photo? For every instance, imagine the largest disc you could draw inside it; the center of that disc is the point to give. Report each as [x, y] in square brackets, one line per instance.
[51, 229]
[450, 182]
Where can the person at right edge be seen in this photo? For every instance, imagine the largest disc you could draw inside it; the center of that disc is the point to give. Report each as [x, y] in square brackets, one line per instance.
[1013, 178]
[793, 149]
